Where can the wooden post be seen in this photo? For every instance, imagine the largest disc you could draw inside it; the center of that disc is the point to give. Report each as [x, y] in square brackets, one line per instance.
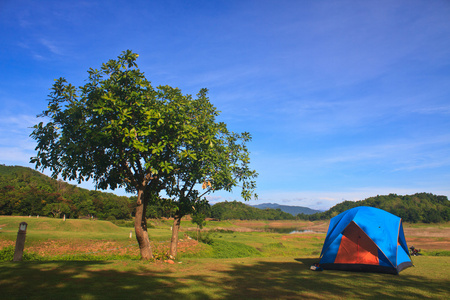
[20, 242]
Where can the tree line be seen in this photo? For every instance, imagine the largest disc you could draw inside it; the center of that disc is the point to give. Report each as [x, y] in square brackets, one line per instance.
[419, 207]
[235, 210]
[24, 191]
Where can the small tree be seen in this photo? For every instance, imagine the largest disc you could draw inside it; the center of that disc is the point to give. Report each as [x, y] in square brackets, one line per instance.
[117, 130]
[56, 209]
[199, 216]
[209, 158]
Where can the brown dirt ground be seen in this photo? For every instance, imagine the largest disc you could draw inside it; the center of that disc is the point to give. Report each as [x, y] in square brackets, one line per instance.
[94, 247]
[429, 238]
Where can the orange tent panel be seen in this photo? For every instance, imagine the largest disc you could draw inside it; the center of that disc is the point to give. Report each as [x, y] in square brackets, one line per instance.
[356, 247]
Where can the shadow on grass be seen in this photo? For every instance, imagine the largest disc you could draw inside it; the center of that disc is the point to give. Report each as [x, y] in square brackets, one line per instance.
[87, 280]
[289, 280]
[235, 279]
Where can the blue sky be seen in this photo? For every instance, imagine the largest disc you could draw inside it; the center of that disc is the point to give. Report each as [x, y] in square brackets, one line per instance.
[344, 99]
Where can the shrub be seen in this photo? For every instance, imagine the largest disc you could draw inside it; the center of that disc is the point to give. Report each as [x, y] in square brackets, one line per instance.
[7, 253]
[223, 249]
[205, 239]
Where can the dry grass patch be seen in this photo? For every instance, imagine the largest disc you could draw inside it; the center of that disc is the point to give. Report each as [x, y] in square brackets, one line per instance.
[436, 237]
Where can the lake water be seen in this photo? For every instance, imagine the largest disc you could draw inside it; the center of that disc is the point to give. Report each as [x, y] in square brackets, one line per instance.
[301, 231]
[288, 230]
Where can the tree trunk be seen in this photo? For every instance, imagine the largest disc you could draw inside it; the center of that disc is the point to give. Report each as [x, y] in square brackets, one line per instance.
[140, 227]
[174, 240]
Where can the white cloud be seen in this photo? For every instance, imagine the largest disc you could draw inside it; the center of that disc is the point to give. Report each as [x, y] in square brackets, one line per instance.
[16, 147]
[15, 156]
[17, 121]
[51, 46]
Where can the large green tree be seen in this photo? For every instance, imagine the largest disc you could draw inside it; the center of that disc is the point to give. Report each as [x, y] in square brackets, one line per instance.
[117, 130]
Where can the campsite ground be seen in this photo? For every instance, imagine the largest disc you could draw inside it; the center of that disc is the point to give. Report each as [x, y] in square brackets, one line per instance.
[238, 278]
[279, 269]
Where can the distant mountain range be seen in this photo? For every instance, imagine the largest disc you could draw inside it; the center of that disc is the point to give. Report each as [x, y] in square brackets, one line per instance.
[293, 210]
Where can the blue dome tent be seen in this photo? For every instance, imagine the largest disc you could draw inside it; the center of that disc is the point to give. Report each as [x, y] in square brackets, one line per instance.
[365, 239]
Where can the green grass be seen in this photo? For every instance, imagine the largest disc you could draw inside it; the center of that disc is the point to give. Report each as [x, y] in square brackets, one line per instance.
[271, 244]
[39, 228]
[436, 253]
[239, 278]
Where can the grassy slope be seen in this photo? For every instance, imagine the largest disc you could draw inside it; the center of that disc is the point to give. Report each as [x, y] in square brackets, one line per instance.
[49, 228]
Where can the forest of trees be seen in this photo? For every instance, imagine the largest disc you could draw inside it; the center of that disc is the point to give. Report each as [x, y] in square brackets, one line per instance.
[239, 211]
[24, 191]
[420, 207]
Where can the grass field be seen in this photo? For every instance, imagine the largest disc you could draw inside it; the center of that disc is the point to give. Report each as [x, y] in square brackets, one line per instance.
[276, 268]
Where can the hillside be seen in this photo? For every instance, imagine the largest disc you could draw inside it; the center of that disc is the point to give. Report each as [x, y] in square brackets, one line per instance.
[420, 207]
[293, 210]
[24, 191]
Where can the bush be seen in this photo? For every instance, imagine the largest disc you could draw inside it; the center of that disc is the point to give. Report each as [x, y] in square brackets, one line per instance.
[223, 249]
[7, 253]
[205, 239]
